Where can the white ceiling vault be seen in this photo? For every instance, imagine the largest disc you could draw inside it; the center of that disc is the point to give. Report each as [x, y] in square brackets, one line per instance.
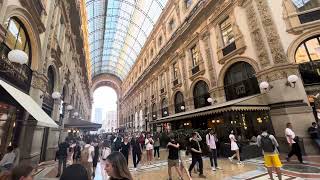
[117, 31]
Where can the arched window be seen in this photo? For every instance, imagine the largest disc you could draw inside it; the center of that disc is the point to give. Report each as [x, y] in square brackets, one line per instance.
[154, 111]
[304, 5]
[201, 94]
[179, 102]
[51, 80]
[240, 81]
[308, 57]
[17, 37]
[164, 108]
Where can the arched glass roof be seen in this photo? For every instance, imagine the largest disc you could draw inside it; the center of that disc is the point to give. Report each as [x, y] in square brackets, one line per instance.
[117, 31]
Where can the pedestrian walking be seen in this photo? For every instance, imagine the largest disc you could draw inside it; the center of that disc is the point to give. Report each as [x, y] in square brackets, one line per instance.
[95, 159]
[117, 168]
[149, 147]
[76, 153]
[196, 153]
[293, 142]
[234, 148]
[173, 157]
[156, 146]
[125, 148]
[86, 159]
[62, 155]
[7, 161]
[269, 146]
[211, 140]
[136, 151]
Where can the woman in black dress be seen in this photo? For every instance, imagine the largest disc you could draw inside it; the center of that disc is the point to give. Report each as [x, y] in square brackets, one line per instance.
[95, 158]
[125, 147]
[76, 153]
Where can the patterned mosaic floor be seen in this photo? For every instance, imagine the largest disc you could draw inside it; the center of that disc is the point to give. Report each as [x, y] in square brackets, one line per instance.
[252, 170]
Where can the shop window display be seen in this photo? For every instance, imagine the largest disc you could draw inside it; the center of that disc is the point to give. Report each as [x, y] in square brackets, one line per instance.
[308, 57]
[240, 81]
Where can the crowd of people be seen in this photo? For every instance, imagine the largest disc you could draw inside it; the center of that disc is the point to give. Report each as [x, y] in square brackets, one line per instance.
[115, 150]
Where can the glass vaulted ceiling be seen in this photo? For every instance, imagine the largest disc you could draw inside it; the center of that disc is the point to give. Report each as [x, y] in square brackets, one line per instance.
[118, 30]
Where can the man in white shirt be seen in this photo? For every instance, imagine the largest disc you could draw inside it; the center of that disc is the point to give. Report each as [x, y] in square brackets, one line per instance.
[211, 140]
[87, 157]
[8, 159]
[293, 142]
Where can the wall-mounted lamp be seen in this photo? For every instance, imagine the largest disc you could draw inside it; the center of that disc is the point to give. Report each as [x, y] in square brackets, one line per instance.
[165, 113]
[18, 56]
[210, 100]
[76, 114]
[154, 115]
[291, 80]
[265, 86]
[69, 107]
[56, 95]
[182, 108]
[4, 117]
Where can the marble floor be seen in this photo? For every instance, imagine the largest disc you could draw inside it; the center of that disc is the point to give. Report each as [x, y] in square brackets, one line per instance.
[251, 170]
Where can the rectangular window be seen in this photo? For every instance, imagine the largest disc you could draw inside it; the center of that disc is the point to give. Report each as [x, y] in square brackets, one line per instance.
[175, 71]
[226, 32]
[187, 3]
[304, 5]
[195, 56]
[172, 25]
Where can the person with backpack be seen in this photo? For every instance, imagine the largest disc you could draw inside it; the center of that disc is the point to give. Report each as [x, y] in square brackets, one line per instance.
[86, 158]
[62, 155]
[269, 146]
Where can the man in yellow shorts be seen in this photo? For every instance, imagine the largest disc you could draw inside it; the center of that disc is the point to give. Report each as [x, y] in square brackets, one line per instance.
[269, 145]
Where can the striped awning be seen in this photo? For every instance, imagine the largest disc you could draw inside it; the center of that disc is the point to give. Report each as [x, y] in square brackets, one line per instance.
[250, 103]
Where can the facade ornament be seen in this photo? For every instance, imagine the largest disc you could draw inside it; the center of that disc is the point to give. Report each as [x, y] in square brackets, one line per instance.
[272, 36]
[257, 36]
[39, 81]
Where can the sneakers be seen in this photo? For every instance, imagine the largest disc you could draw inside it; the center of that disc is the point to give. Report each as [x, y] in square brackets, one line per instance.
[240, 163]
[213, 169]
[230, 158]
[135, 169]
[202, 176]
[58, 175]
[218, 168]
[158, 158]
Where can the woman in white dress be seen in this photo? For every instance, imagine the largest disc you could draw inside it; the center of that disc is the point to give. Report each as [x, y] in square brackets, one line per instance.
[149, 148]
[234, 148]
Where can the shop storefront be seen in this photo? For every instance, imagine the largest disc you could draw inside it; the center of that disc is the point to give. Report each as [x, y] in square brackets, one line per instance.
[245, 116]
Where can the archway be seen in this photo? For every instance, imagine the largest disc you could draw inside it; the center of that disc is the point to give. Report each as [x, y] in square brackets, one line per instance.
[179, 104]
[201, 94]
[240, 81]
[106, 89]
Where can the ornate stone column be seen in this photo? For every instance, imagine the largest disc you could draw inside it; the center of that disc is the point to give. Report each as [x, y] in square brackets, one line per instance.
[288, 104]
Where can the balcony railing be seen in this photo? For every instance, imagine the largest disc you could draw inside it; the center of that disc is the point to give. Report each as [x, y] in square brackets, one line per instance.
[229, 48]
[195, 69]
[19, 75]
[309, 16]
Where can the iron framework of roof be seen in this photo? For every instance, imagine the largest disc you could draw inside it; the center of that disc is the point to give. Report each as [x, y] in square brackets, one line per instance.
[117, 32]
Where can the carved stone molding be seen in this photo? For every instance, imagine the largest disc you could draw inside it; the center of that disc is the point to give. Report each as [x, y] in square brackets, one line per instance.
[257, 36]
[39, 81]
[278, 72]
[273, 38]
[2, 33]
